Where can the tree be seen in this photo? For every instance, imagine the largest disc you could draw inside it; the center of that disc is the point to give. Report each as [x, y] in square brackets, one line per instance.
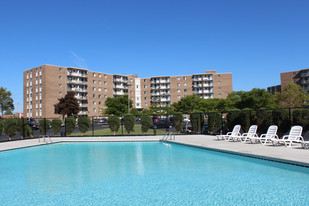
[68, 105]
[146, 123]
[1, 126]
[197, 121]
[292, 95]
[188, 104]
[214, 121]
[83, 124]
[113, 123]
[135, 112]
[117, 106]
[254, 99]
[129, 122]
[6, 102]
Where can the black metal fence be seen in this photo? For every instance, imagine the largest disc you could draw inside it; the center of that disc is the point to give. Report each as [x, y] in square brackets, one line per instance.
[210, 123]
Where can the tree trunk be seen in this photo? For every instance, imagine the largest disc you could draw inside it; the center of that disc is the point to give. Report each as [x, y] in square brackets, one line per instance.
[114, 132]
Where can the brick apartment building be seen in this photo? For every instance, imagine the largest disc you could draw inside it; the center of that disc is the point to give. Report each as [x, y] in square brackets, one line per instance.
[300, 77]
[44, 85]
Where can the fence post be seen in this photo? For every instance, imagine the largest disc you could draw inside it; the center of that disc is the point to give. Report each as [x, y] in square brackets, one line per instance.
[92, 127]
[121, 126]
[45, 129]
[65, 127]
[250, 117]
[221, 123]
[290, 119]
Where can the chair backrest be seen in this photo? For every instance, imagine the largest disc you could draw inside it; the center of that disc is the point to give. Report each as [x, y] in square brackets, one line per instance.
[295, 132]
[252, 130]
[272, 130]
[236, 130]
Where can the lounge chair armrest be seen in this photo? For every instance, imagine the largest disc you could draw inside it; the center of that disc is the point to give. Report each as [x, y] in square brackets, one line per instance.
[285, 137]
[299, 138]
[244, 134]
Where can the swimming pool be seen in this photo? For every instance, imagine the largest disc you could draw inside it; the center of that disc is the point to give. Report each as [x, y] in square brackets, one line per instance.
[145, 173]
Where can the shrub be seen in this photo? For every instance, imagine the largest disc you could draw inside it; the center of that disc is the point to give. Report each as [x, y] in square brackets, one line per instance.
[83, 124]
[23, 128]
[113, 123]
[69, 125]
[263, 120]
[239, 117]
[10, 128]
[44, 126]
[1, 126]
[129, 122]
[301, 117]
[214, 121]
[280, 117]
[178, 118]
[197, 121]
[56, 125]
[146, 123]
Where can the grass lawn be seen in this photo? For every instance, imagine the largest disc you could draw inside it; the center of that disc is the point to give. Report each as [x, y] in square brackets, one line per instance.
[137, 131]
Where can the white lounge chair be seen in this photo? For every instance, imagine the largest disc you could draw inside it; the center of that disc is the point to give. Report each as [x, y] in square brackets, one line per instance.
[234, 134]
[251, 133]
[294, 136]
[235, 131]
[270, 134]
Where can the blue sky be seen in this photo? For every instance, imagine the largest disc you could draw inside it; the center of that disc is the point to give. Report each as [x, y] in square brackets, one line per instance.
[253, 39]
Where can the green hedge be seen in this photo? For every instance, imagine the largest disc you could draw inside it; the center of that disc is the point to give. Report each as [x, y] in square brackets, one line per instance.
[301, 117]
[197, 121]
[214, 121]
[113, 123]
[10, 128]
[146, 122]
[129, 122]
[23, 128]
[1, 126]
[178, 120]
[84, 124]
[69, 125]
[44, 126]
[56, 125]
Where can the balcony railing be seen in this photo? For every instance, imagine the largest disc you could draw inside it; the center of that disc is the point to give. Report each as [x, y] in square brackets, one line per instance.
[77, 74]
[77, 90]
[77, 82]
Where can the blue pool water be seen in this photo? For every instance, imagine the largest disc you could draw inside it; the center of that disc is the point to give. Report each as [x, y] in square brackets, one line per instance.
[145, 174]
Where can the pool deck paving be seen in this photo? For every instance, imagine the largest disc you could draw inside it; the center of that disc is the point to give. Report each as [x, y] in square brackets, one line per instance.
[295, 154]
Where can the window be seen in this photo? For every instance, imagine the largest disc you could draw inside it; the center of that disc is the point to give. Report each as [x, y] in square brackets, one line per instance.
[105, 96]
[178, 90]
[294, 73]
[60, 85]
[105, 76]
[145, 80]
[99, 89]
[94, 81]
[145, 92]
[94, 103]
[178, 85]
[145, 98]
[220, 94]
[60, 93]
[184, 78]
[100, 75]
[178, 78]
[219, 82]
[105, 90]
[94, 89]
[137, 98]
[100, 103]
[60, 69]
[99, 82]
[178, 96]
[105, 83]
[219, 88]
[185, 84]
[94, 109]
[219, 75]
[60, 77]
[94, 74]
[94, 96]
[145, 86]
[99, 96]
[185, 90]
[146, 104]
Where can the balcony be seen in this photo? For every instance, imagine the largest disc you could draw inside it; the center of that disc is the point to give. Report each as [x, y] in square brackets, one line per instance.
[77, 82]
[83, 105]
[120, 80]
[119, 93]
[305, 81]
[81, 97]
[77, 74]
[77, 90]
[83, 113]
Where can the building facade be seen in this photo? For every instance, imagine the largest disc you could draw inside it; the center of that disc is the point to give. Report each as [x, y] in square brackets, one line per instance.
[44, 85]
[300, 77]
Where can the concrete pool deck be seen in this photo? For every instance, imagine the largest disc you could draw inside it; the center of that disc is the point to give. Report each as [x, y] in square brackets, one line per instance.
[295, 154]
